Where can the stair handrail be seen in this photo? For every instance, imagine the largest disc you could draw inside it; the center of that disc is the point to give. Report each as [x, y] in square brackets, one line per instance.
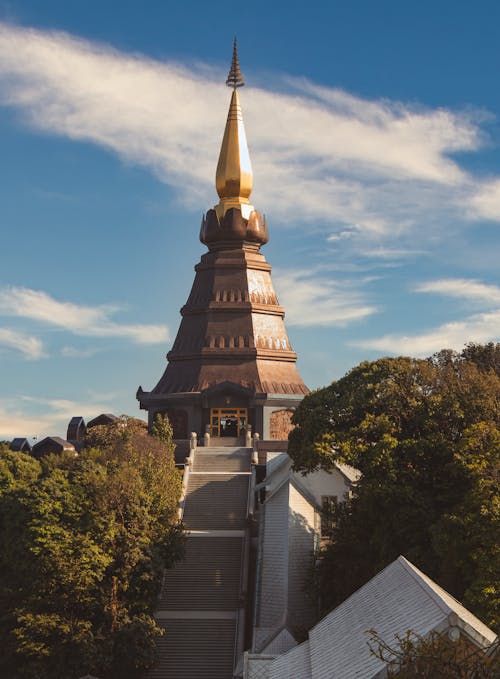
[251, 491]
[188, 465]
[239, 639]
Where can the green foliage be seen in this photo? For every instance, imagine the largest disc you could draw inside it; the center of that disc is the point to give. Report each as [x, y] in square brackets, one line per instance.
[162, 429]
[83, 544]
[425, 434]
[105, 435]
[413, 656]
[466, 537]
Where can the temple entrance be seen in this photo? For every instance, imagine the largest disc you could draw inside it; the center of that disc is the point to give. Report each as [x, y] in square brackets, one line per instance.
[228, 421]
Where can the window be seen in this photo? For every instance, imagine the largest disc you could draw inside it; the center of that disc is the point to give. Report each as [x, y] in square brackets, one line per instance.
[328, 514]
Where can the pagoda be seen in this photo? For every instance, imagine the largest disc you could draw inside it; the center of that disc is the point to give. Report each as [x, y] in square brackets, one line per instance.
[231, 368]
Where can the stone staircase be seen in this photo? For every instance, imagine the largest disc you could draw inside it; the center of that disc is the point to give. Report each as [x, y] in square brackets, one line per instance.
[201, 603]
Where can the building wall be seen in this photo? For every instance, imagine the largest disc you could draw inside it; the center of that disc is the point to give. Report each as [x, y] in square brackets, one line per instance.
[301, 542]
[287, 540]
[274, 561]
[280, 425]
[320, 483]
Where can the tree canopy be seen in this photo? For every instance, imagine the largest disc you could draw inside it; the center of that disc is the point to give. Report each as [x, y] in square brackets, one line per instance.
[83, 544]
[412, 656]
[425, 433]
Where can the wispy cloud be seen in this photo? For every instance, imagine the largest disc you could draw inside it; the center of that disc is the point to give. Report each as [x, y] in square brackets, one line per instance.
[463, 288]
[479, 327]
[343, 234]
[315, 300]
[318, 153]
[77, 319]
[485, 201]
[30, 347]
[386, 253]
[29, 416]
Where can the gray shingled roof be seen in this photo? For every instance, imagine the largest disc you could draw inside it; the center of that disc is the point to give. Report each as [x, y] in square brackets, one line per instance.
[295, 663]
[276, 462]
[397, 599]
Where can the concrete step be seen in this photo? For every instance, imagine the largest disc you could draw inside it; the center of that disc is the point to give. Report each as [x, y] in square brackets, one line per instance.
[222, 459]
[223, 449]
[192, 649]
[216, 502]
[227, 441]
[208, 579]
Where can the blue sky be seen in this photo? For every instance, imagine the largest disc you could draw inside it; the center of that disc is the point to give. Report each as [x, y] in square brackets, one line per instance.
[374, 135]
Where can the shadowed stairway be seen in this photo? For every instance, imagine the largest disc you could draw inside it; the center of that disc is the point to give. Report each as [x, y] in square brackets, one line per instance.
[201, 604]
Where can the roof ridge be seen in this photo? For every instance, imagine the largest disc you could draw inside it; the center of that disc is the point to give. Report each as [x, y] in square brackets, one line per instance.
[271, 494]
[424, 583]
[277, 631]
[464, 617]
[295, 481]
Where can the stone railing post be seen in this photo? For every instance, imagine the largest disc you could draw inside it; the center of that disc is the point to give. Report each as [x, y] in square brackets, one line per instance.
[248, 437]
[255, 456]
[193, 441]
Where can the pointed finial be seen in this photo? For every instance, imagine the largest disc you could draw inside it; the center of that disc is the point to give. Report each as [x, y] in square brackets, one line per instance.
[235, 77]
[234, 179]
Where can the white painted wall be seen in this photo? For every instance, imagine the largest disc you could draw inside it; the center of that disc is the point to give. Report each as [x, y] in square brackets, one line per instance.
[301, 540]
[272, 594]
[320, 483]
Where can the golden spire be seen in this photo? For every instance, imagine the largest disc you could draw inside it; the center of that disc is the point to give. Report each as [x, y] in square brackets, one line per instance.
[234, 178]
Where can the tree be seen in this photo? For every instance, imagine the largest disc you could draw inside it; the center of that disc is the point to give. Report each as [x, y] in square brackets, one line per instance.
[162, 429]
[485, 356]
[83, 545]
[424, 434]
[465, 538]
[435, 656]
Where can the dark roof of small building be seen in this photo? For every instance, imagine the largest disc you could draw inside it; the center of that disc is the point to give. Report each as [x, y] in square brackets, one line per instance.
[56, 442]
[76, 429]
[20, 444]
[76, 421]
[103, 418]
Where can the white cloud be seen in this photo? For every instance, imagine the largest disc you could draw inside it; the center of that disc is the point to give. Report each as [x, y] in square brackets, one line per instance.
[28, 416]
[318, 153]
[343, 234]
[392, 253]
[463, 288]
[480, 328]
[77, 319]
[485, 201]
[30, 347]
[312, 300]
[382, 137]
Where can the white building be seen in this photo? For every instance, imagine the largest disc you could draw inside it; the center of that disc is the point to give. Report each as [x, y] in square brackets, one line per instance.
[289, 534]
[398, 599]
